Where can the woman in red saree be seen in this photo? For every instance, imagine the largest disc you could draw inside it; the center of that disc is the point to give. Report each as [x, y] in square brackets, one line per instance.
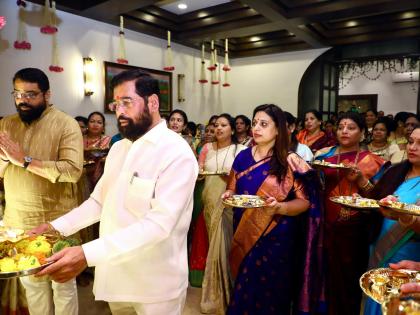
[312, 135]
[273, 250]
[347, 233]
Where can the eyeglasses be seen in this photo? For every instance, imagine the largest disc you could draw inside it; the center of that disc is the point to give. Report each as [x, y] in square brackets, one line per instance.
[25, 95]
[122, 103]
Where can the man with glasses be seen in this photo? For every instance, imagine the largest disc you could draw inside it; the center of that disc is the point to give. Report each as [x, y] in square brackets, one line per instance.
[144, 204]
[41, 159]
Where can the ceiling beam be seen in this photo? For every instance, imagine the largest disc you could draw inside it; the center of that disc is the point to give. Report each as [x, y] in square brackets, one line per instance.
[113, 8]
[271, 11]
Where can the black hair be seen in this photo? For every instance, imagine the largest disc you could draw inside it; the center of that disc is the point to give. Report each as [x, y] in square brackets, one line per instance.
[316, 113]
[192, 127]
[278, 162]
[33, 75]
[386, 122]
[374, 111]
[145, 84]
[212, 117]
[82, 119]
[356, 117]
[245, 119]
[99, 114]
[293, 140]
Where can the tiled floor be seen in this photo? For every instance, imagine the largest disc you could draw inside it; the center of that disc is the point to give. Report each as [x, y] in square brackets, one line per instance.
[88, 305]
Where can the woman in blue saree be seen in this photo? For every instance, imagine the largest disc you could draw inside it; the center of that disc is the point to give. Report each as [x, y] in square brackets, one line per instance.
[268, 260]
[398, 239]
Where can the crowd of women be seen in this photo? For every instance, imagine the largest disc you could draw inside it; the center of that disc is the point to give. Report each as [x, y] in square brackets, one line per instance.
[301, 252]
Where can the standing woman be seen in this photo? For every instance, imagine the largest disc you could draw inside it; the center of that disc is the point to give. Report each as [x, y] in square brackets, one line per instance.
[379, 144]
[217, 156]
[312, 135]
[300, 149]
[242, 130]
[177, 121]
[272, 256]
[370, 118]
[96, 145]
[398, 240]
[347, 232]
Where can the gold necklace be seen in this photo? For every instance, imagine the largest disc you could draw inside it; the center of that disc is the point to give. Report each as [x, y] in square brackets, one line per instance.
[217, 158]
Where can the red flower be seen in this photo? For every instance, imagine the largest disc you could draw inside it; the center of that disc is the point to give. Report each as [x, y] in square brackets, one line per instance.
[203, 81]
[22, 45]
[211, 68]
[123, 61]
[170, 68]
[56, 68]
[226, 84]
[226, 68]
[2, 22]
[48, 29]
[214, 82]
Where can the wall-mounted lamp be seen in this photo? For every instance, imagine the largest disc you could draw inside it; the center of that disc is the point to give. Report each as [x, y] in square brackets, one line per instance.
[88, 70]
[181, 87]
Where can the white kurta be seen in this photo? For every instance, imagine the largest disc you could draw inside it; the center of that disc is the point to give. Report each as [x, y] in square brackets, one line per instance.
[144, 203]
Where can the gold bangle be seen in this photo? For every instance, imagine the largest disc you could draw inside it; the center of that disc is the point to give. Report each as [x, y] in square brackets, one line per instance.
[368, 186]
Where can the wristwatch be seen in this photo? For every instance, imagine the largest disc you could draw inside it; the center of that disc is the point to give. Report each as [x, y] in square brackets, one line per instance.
[26, 161]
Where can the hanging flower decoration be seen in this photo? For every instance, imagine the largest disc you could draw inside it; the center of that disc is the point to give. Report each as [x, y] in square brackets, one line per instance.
[21, 41]
[2, 22]
[373, 70]
[215, 80]
[49, 19]
[203, 67]
[169, 63]
[226, 67]
[212, 65]
[121, 51]
[55, 64]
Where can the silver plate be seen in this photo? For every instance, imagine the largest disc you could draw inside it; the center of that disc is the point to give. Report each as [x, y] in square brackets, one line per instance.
[355, 205]
[244, 201]
[23, 273]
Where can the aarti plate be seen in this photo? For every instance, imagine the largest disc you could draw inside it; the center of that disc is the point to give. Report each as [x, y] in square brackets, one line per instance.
[322, 163]
[356, 203]
[382, 283]
[244, 201]
[9, 234]
[402, 305]
[402, 207]
[23, 273]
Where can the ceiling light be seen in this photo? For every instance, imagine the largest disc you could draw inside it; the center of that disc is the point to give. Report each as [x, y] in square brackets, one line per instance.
[182, 6]
[352, 23]
[408, 15]
[255, 38]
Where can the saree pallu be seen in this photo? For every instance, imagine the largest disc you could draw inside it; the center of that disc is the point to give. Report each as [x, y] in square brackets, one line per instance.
[318, 141]
[347, 233]
[395, 243]
[273, 261]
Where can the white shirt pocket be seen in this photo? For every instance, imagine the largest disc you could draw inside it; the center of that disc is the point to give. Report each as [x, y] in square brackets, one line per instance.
[139, 195]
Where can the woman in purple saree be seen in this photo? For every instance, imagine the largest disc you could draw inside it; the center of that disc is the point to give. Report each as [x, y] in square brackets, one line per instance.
[275, 255]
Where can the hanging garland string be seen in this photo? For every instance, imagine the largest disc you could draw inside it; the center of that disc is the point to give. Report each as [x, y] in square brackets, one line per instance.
[55, 62]
[169, 63]
[226, 67]
[21, 42]
[122, 59]
[203, 78]
[373, 70]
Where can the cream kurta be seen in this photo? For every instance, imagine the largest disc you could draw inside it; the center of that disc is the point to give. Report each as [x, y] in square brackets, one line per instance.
[144, 203]
[56, 140]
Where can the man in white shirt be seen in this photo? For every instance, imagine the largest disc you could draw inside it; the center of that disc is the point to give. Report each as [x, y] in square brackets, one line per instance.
[144, 204]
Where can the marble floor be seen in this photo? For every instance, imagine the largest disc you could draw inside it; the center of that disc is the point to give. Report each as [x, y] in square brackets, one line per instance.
[88, 305]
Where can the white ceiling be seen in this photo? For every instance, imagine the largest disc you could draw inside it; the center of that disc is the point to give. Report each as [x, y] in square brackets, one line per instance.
[193, 5]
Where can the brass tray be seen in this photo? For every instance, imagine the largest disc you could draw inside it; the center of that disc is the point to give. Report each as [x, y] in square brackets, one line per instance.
[205, 173]
[244, 201]
[356, 203]
[401, 207]
[318, 163]
[381, 283]
[402, 305]
[23, 273]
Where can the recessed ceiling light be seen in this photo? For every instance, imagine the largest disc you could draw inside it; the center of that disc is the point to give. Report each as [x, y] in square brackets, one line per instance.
[182, 6]
[352, 23]
[255, 38]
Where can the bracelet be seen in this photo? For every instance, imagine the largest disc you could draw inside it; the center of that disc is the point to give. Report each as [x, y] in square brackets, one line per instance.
[5, 160]
[368, 186]
[405, 224]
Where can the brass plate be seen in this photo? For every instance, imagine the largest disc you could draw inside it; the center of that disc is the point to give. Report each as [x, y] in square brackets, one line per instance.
[318, 163]
[244, 201]
[401, 207]
[23, 273]
[356, 203]
[401, 305]
[381, 283]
